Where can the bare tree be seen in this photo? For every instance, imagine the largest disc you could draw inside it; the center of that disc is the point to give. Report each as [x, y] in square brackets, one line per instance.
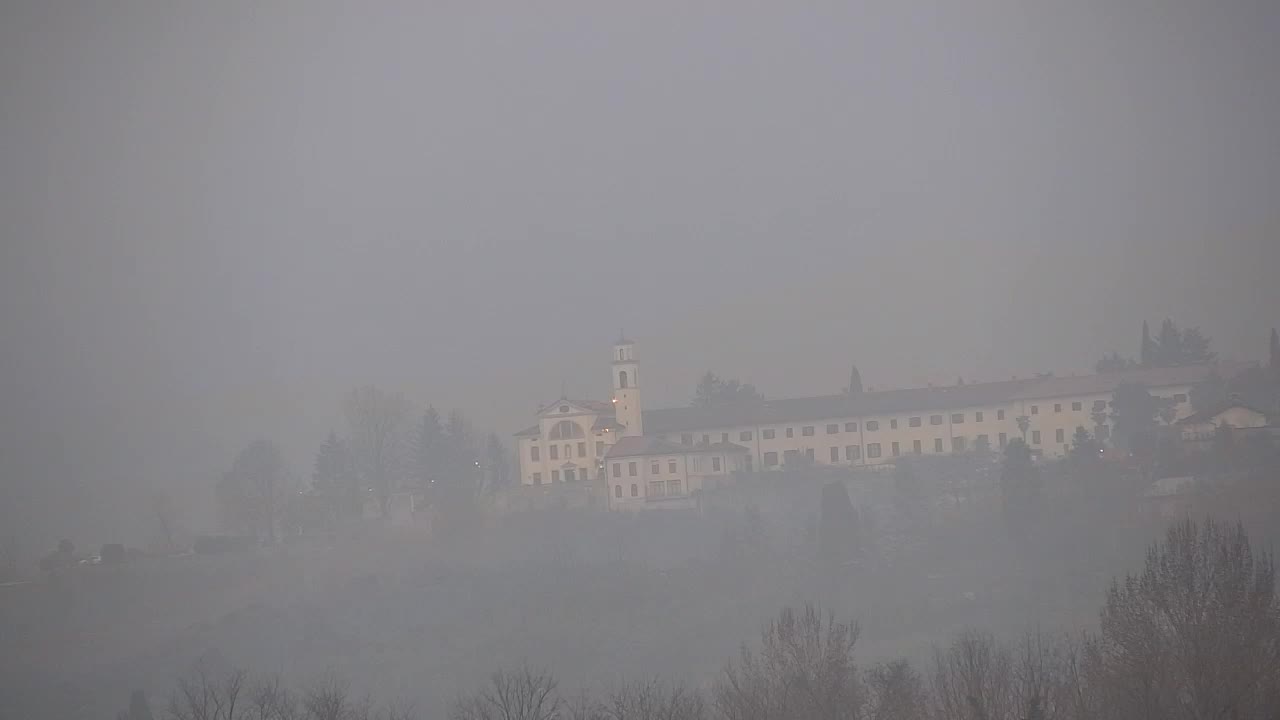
[1197, 633]
[201, 696]
[895, 691]
[973, 679]
[269, 699]
[804, 669]
[377, 423]
[523, 695]
[653, 700]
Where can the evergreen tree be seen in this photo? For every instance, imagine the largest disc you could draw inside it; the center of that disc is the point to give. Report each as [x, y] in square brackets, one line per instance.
[460, 451]
[1113, 361]
[249, 494]
[1133, 413]
[1084, 447]
[428, 448]
[496, 460]
[1019, 487]
[712, 391]
[855, 380]
[1147, 353]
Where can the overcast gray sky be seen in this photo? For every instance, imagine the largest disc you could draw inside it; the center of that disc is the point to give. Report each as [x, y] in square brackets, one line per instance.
[219, 216]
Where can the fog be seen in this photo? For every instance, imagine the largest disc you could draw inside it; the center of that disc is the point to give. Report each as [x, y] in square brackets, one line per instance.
[217, 219]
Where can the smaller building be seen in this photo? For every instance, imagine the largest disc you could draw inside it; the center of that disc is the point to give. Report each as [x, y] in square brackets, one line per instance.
[1204, 425]
[650, 471]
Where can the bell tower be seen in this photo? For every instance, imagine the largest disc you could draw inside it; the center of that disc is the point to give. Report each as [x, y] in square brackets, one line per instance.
[626, 388]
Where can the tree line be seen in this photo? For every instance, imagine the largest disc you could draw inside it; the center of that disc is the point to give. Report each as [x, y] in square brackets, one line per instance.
[386, 448]
[1194, 634]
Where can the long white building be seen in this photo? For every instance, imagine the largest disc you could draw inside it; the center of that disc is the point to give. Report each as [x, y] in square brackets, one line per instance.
[658, 457]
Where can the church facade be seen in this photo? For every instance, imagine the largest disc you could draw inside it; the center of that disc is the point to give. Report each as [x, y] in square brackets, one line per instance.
[661, 457]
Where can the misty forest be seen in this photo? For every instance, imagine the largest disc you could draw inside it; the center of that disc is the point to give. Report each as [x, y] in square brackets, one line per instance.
[885, 361]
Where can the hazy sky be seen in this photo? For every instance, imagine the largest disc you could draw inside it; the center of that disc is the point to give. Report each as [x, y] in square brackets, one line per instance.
[219, 216]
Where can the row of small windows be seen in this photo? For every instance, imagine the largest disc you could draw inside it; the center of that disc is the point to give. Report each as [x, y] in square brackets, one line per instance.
[569, 475]
[875, 450]
[849, 427]
[657, 488]
[553, 451]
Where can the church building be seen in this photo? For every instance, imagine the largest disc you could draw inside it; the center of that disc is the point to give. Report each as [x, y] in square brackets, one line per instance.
[661, 458]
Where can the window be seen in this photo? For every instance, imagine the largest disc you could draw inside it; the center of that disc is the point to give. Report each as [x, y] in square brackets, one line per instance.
[851, 427]
[808, 454]
[1035, 437]
[673, 487]
[873, 450]
[893, 424]
[977, 416]
[697, 463]
[582, 449]
[617, 491]
[599, 448]
[622, 379]
[744, 436]
[1077, 406]
[957, 444]
[1004, 440]
[568, 452]
[1057, 407]
[982, 442]
[935, 419]
[1060, 435]
[715, 464]
[724, 437]
[1099, 405]
[555, 476]
[789, 456]
[564, 408]
[872, 426]
[706, 439]
[915, 446]
[617, 470]
[1180, 398]
[833, 428]
[566, 430]
[895, 450]
[657, 488]
[687, 438]
[807, 431]
[553, 451]
[632, 469]
[671, 466]
[791, 432]
[835, 454]
[957, 418]
[1035, 409]
[999, 414]
[913, 422]
[852, 452]
[655, 468]
[534, 455]
[568, 475]
[771, 459]
[537, 478]
[634, 490]
[937, 445]
[767, 434]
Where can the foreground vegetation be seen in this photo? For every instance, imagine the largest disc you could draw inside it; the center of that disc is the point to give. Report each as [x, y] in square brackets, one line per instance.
[1194, 634]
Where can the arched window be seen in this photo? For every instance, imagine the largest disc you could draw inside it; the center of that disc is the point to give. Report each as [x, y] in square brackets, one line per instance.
[634, 490]
[565, 430]
[622, 379]
[620, 352]
[617, 491]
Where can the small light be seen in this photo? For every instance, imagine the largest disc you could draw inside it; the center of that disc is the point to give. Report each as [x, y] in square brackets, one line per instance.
[615, 400]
